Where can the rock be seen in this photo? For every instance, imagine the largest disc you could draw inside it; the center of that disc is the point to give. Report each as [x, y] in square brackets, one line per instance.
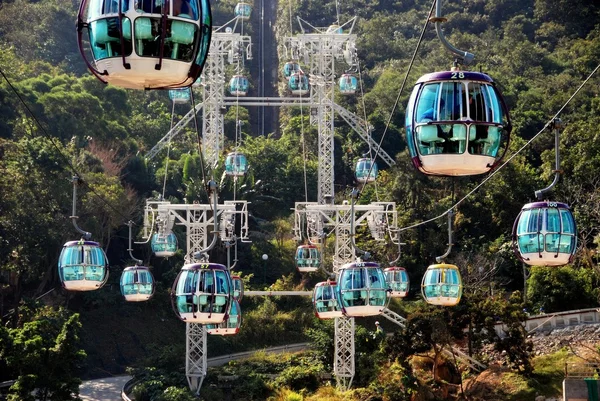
[540, 398]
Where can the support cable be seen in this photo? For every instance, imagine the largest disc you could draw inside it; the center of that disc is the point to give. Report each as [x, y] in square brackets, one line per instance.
[410, 65]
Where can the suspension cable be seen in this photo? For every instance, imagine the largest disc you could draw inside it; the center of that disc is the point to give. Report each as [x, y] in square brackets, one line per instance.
[410, 65]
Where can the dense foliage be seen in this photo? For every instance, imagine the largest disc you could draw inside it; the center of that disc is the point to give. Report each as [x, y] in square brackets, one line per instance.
[56, 119]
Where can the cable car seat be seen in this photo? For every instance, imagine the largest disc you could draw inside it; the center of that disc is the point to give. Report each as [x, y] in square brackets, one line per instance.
[181, 33]
[429, 140]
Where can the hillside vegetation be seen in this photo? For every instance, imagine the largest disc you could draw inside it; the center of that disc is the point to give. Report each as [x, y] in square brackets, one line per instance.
[56, 118]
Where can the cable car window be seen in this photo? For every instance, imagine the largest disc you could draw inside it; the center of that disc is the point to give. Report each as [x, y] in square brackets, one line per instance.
[478, 110]
[568, 224]
[149, 6]
[453, 101]
[222, 282]
[553, 220]
[105, 38]
[185, 9]
[427, 109]
[433, 277]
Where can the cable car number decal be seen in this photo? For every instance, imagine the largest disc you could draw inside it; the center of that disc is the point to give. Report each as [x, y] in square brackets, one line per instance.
[458, 75]
[552, 204]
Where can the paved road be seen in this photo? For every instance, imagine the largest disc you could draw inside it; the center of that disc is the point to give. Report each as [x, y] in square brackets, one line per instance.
[107, 389]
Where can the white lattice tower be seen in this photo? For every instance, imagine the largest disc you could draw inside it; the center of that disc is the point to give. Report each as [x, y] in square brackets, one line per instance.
[198, 220]
[225, 44]
[319, 51]
[343, 364]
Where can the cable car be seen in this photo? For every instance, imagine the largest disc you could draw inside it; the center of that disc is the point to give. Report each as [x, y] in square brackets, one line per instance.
[335, 29]
[298, 84]
[179, 96]
[82, 266]
[202, 293]
[366, 170]
[137, 283]
[231, 324]
[145, 44]
[544, 234]
[397, 280]
[238, 288]
[442, 285]
[164, 245]
[308, 258]
[456, 124]
[242, 11]
[325, 300]
[239, 85]
[236, 164]
[362, 289]
[348, 84]
[289, 68]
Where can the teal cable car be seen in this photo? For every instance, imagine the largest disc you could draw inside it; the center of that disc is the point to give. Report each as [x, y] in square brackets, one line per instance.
[202, 293]
[397, 279]
[442, 285]
[236, 164]
[137, 283]
[325, 300]
[82, 266]
[348, 84]
[363, 290]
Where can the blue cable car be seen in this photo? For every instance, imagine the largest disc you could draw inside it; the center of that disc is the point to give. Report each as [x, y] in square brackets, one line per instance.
[231, 324]
[366, 170]
[202, 293]
[457, 124]
[242, 11]
[238, 288]
[239, 85]
[442, 285]
[145, 44]
[236, 164]
[137, 283]
[335, 29]
[179, 96]
[82, 266]
[289, 68]
[544, 234]
[298, 84]
[348, 84]
[362, 289]
[308, 258]
[164, 245]
[325, 300]
[397, 280]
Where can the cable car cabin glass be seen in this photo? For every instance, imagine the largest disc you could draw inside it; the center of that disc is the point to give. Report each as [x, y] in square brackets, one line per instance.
[545, 234]
[231, 324]
[239, 85]
[179, 95]
[289, 68]
[82, 266]
[137, 284]
[456, 123]
[362, 289]
[325, 300]
[147, 44]
[397, 280]
[238, 288]
[307, 258]
[348, 84]
[243, 11]
[366, 170]
[202, 293]
[298, 84]
[236, 164]
[335, 29]
[442, 285]
[164, 245]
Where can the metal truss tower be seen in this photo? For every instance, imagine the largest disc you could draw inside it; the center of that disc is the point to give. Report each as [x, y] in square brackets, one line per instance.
[319, 51]
[198, 221]
[225, 44]
[317, 220]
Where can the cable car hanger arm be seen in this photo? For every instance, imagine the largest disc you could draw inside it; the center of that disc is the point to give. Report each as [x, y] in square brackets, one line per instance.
[557, 125]
[440, 259]
[86, 235]
[466, 57]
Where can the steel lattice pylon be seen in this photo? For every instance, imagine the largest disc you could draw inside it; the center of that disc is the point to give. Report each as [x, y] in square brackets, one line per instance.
[343, 364]
[224, 44]
[319, 52]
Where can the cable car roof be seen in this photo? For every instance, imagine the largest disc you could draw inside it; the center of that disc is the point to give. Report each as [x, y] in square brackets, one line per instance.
[74, 243]
[454, 76]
